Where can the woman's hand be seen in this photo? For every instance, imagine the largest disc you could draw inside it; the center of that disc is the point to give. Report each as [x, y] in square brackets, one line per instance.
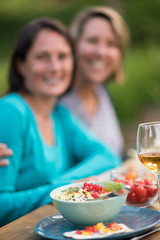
[4, 152]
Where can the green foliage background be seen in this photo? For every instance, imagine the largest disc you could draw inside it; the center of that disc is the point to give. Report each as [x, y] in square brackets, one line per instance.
[142, 81]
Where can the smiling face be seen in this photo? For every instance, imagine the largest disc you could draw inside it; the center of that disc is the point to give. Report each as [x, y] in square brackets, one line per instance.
[98, 52]
[47, 69]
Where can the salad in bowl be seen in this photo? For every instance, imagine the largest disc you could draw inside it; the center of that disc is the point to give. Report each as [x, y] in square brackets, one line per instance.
[73, 202]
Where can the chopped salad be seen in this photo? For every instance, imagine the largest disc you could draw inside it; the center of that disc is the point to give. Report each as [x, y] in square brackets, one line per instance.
[86, 192]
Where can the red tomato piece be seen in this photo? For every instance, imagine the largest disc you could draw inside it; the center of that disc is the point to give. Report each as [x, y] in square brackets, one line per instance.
[143, 200]
[78, 232]
[89, 188]
[85, 184]
[102, 191]
[95, 195]
[89, 229]
[94, 228]
[131, 184]
[141, 194]
[112, 225]
[96, 187]
[148, 181]
[131, 198]
[151, 191]
[139, 182]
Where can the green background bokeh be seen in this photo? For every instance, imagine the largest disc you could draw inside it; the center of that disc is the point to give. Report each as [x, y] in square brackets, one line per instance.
[142, 74]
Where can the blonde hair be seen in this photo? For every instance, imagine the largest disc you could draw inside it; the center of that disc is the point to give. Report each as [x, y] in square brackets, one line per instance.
[118, 25]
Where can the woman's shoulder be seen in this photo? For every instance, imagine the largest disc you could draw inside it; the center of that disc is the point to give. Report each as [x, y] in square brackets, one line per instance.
[65, 115]
[105, 94]
[67, 118]
[14, 102]
[69, 98]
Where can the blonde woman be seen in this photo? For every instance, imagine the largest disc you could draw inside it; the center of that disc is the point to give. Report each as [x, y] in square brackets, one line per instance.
[101, 38]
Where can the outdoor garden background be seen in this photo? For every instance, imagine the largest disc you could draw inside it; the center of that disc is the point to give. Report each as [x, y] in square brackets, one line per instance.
[138, 99]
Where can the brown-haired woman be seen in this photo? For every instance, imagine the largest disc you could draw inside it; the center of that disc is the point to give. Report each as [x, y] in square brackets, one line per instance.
[46, 139]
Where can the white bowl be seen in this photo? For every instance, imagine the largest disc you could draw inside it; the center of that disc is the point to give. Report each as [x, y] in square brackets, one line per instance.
[88, 212]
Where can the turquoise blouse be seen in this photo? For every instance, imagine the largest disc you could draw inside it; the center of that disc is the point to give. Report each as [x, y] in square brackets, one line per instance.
[36, 168]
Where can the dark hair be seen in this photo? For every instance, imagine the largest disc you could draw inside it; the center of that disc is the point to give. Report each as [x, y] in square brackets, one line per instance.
[25, 41]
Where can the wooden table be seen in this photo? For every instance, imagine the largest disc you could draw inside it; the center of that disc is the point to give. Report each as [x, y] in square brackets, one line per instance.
[23, 228]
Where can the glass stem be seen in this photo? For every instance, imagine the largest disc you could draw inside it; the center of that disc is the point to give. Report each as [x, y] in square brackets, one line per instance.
[158, 179]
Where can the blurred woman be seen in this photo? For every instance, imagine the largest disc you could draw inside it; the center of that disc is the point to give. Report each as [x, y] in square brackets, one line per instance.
[101, 37]
[50, 146]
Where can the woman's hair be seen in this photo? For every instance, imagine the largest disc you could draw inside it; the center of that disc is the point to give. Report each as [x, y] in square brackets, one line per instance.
[25, 41]
[117, 23]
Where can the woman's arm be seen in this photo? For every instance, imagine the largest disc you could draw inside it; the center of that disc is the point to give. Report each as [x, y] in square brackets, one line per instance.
[14, 203]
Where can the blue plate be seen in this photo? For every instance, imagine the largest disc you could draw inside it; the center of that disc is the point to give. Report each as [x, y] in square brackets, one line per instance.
[139, 219]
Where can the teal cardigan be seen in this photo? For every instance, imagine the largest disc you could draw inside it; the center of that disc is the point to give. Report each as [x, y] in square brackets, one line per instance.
[36, 168]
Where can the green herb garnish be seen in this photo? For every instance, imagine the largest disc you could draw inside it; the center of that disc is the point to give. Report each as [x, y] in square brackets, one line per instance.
[71, 190]
[112, 186]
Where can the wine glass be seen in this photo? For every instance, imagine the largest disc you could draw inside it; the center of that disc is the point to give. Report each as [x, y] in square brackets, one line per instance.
[148, 148]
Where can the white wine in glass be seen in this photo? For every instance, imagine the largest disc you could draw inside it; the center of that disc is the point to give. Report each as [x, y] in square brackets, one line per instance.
[148, 148]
